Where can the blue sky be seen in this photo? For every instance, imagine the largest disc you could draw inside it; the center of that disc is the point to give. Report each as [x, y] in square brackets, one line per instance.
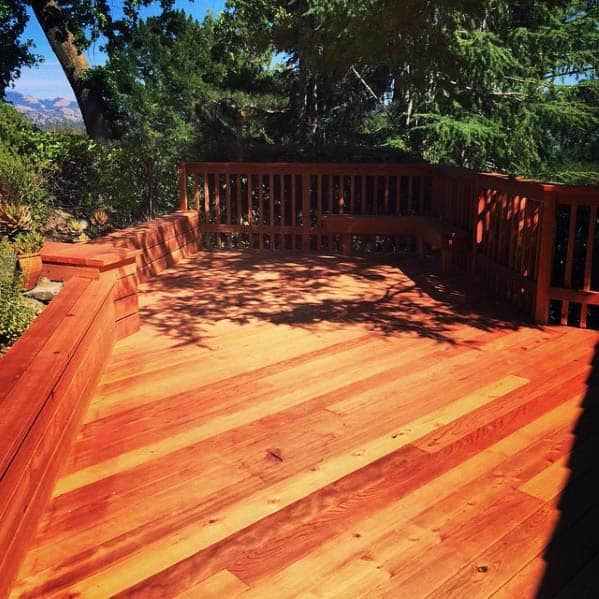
[48, 81]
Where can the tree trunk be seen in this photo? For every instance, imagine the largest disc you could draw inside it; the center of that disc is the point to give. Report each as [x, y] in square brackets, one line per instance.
[302, 99]
[75, 65]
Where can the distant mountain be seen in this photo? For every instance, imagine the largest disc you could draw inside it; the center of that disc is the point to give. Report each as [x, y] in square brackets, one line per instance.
[45, 111]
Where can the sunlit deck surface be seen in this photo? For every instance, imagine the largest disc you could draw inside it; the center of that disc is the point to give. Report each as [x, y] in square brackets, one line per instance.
[322, 426]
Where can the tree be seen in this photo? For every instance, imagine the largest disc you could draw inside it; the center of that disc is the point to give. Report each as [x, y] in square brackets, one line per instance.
[477, 84]
[62, 39]
[70, 26]
[15, 53]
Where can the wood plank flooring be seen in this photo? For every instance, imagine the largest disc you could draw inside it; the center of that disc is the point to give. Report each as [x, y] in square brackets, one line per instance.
[328, 427]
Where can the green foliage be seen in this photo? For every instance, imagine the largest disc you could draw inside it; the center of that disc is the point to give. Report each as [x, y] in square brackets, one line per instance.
[25, 154]
[20, 137]
[492, 85]
[16, 313]
[8, 260]
[30, 242]
[15, 52]
[476, 84]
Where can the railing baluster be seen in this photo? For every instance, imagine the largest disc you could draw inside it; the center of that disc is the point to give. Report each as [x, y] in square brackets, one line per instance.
[238, 196]
[386, 196]
[363, 197]
[588, 264]
[271, 210]
[217, 214]
[228, 236]
[196, 193]
[294, 211]
[306, 210]
[318, 209]
[260, 211]
[206, 198]
[183, 202]
[571, 243]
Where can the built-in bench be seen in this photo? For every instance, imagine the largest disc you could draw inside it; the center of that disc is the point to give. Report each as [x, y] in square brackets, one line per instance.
[426, 230]
[46, 381]
[50, 374]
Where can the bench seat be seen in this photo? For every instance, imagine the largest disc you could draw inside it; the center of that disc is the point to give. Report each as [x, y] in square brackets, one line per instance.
[432, 231]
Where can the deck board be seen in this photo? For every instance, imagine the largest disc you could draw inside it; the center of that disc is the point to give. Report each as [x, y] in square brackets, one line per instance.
[320, 427]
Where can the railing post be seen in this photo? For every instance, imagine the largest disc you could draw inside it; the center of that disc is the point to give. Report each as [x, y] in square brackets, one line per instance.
[306, 224]
[545, 256]
[183, 200]
[477, 231]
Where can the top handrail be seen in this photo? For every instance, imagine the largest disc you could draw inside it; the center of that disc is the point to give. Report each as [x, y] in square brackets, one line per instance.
[386, 167]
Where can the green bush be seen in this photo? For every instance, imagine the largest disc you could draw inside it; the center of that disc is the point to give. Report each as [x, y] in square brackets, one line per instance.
[20, 135]
[30, 242]
[8, 260]
[16, 311]
[25, 160]
[16, 314]
[132, 180]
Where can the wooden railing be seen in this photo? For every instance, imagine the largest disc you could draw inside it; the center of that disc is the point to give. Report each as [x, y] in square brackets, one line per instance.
[507, 241]
[574, 284]
[515, 225]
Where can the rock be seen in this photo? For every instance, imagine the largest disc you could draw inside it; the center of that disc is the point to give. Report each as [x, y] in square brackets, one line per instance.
[45, 291]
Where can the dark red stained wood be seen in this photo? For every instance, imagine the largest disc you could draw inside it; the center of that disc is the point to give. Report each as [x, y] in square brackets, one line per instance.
[40, 421]
[128, 325]
[238, 196]
[217, 196]
[182, 171]
[511, 239]
[125, 286]
[196, 193]
[251, 426]
[228, 198]
[547, 225]
[271, 210]
[16, 362]
[206, 198]
[126, 306]
[261, 211]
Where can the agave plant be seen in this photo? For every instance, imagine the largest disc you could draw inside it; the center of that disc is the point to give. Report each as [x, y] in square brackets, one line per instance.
[14, 218]
[75, 227]
[99, 218]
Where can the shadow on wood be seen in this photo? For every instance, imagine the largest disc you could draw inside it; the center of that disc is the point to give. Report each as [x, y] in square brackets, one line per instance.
[572, 555]
[386, 296]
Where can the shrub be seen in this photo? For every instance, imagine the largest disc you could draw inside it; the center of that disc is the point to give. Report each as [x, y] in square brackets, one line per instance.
[16, 313]
[28, 243]
[8, 260]
[23, 184]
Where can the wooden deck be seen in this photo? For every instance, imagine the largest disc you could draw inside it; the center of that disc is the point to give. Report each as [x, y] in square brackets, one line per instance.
[323, 427]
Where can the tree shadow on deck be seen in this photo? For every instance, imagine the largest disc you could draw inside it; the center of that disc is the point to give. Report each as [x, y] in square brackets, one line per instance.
[325, 292]
[572, 555]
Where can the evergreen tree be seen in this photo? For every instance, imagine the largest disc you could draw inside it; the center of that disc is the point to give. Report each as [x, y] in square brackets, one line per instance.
[15, 52]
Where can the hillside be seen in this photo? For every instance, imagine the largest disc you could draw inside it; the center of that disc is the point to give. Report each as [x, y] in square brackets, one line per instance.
[45, 111]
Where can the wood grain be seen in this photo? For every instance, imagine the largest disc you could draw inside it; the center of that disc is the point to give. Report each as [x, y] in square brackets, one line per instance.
[306, 426]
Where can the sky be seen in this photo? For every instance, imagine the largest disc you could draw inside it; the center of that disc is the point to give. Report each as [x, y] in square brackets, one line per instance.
[47, 80]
